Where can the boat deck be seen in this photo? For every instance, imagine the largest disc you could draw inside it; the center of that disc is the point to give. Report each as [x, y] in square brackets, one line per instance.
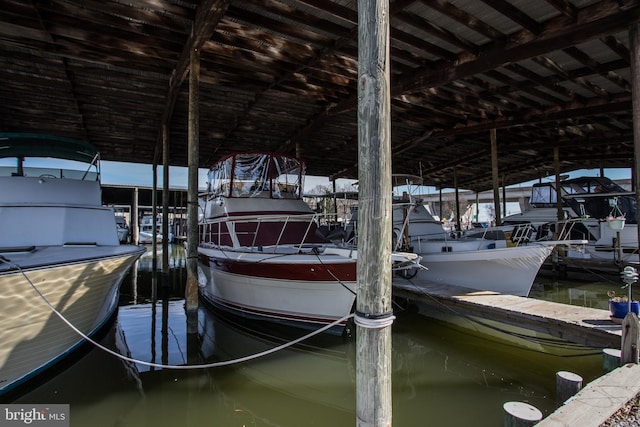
[581, 325]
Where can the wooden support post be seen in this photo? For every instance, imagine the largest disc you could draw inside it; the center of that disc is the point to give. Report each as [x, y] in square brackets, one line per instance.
[556, 164]
[568, 384]
[374, 315]
[611, 359]
[154, 220]
[634, 49]
[457, 193]
[630, 339]
[133, 221]
[477, 207]
[191, 292]
[495, 175]
[504, 199]
[165, 205]
[520, 414]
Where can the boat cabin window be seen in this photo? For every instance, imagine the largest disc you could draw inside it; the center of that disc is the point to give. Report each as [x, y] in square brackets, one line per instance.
[543, 195]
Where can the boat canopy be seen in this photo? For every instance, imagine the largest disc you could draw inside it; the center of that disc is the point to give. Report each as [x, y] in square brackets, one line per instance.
[31, 145]
[595, 197]
[36, 145]
[257, 175]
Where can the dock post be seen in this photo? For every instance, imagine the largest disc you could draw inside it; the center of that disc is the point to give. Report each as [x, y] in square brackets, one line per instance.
[374, 316]
[165, 205]
[611, 359]
[567, 385]
[520, 414]
[634, 60]
[630, 339]
[495, 180]
[191, 291]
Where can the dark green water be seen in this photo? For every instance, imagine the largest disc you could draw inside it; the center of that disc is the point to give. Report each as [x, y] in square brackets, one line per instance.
[442, 376]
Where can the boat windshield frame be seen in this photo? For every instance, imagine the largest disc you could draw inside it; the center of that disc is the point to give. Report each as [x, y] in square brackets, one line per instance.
[257, 175]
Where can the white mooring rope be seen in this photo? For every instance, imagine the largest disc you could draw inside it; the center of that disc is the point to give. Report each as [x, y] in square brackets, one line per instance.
[158, 365]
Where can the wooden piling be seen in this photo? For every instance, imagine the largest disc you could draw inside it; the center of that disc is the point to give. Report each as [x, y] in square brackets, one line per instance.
[165, 204]
[373, 315]
[568, 384]
[611, 359]
[556, 165]
[634, 54]
[520, 414]
[495, 176]
[630, 339]
[133, 220]
[191, 291]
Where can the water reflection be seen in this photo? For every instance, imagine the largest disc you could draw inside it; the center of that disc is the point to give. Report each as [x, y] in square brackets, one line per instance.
[441, 375]
[583, 293]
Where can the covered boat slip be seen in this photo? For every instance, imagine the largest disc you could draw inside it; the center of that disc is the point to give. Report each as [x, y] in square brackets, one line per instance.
[586, 326]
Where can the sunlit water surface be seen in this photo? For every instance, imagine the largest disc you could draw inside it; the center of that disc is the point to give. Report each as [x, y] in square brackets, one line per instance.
[442, 376]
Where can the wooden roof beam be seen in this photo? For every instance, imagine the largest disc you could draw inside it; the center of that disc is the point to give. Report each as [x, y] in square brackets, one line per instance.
[598, 20]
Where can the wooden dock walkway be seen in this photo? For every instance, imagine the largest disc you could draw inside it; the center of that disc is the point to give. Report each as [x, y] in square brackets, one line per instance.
[581, 325]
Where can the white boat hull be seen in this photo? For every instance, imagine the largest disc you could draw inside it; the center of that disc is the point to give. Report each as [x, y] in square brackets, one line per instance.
[84, 291]
[505, 270]
[294, 288]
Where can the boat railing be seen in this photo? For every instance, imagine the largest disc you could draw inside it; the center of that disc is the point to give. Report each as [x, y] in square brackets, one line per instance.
[255, 232]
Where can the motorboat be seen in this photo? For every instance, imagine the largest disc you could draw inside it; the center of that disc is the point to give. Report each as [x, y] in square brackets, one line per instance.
[123, 229]
[596, 209]
[61, 262]
[262, 253]
[145, 231]
[478, 259]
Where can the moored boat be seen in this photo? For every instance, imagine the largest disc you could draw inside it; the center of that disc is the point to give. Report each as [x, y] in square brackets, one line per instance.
[61, 262]
[261, 252]
[477, 259]
[596, 209]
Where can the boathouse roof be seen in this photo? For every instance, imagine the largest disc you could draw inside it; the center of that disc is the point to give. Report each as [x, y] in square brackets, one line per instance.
[281, 74]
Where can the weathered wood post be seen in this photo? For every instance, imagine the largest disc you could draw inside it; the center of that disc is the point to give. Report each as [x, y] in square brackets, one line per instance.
[630, 324]
[154, 219]
[165, 205]
[373, 315]
[630, 339]
[568, 384]
[520, 414]
[191, 291]
[457, 195]
[133, 220]
[556, 165]
[634, 50]
[611, 359]
[495, 175]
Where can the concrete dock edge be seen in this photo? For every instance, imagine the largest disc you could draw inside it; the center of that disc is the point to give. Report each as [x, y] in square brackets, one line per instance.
[598, 400]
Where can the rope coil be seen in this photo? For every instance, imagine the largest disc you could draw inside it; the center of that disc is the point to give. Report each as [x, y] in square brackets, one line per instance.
[373, 321]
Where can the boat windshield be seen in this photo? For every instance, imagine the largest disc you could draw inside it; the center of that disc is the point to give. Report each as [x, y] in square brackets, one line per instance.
[35, 155]
[257, 175]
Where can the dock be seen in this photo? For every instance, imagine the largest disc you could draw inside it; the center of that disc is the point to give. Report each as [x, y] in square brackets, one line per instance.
[585, 326]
